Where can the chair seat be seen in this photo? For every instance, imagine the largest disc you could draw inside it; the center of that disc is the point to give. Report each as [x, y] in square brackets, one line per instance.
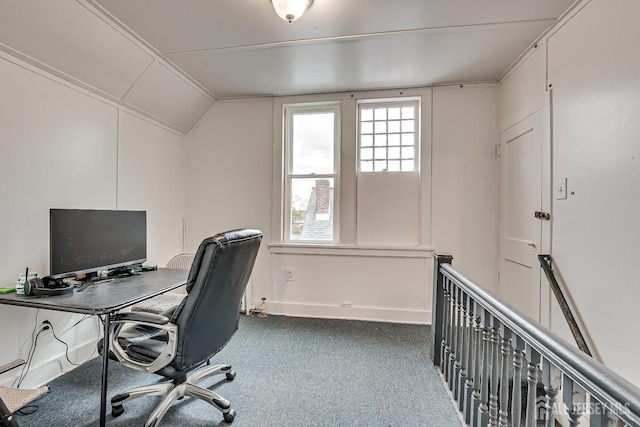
[159, 304]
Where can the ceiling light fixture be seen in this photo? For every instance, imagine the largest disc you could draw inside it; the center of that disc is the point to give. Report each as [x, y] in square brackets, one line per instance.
[290, 10]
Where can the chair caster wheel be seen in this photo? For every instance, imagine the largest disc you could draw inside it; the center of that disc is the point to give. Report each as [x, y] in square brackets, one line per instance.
[231, 375]
[229, 416]
[116, 411]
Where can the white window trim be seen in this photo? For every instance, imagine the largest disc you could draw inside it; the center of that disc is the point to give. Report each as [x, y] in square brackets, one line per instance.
[316, 107]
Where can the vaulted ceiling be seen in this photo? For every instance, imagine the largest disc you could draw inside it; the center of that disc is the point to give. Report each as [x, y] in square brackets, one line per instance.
[170, 59]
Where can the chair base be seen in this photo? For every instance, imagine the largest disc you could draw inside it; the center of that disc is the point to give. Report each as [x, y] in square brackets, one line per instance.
[177, 391]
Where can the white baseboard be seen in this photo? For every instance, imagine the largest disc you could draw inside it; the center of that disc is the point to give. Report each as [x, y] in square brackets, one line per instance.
[421, 317]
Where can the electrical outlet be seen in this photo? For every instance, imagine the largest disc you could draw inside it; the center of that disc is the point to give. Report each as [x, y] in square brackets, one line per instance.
[288, 274]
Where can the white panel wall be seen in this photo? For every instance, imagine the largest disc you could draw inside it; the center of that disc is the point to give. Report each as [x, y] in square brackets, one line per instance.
[229, 177]
[230, 180]
[59, 147]
[464, 205]
[594, 75]
[595, 72]
[151, 177]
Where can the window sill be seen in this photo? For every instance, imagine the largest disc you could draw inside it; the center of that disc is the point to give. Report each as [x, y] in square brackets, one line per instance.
[350, 250]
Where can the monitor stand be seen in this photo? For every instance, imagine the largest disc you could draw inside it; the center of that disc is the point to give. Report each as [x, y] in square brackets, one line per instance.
[92, 279]
[130, 270]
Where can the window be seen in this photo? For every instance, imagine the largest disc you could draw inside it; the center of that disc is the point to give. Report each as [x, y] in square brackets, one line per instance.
[388, 173]
[311, 178]
[388, 136]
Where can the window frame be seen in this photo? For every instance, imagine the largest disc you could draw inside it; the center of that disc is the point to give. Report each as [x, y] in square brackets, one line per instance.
[289, 110]
[400, 102]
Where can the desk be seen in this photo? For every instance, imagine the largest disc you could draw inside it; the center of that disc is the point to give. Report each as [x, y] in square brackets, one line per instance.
[106, 299]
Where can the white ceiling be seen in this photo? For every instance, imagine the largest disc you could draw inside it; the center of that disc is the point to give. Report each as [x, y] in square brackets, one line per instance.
[171, 59]
[239, 48]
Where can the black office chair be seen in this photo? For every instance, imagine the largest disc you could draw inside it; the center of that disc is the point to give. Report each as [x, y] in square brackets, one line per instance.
[199, 327]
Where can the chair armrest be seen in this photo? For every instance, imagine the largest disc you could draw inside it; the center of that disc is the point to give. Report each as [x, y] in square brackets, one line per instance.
[141, 317]
[152, 320]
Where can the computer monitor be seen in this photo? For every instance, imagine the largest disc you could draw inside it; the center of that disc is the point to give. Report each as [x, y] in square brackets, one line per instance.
[85, 241]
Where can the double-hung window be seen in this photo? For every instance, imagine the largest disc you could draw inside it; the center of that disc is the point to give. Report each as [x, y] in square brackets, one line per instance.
[311, 158]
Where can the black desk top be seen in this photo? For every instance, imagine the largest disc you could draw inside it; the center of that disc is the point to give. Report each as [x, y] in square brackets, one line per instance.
[106, 297]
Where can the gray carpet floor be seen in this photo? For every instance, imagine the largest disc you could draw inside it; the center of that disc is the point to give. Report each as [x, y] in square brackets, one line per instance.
[290, 372]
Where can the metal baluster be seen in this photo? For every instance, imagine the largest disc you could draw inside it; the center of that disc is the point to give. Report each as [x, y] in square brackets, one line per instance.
[600, 416]
[532, 379]
[483, 408]
[516, 399]
[438, 305]
[477, 359]
[551, 378]
[503, 418]
[446, 332]
[471, 356]
[463, 349]
[575, 399]
[495, 358]
[453, 364]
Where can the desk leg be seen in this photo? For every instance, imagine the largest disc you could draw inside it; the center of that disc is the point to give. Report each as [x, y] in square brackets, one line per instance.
[105, 369]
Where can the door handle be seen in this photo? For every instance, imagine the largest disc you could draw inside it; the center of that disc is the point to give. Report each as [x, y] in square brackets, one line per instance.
[542, 215]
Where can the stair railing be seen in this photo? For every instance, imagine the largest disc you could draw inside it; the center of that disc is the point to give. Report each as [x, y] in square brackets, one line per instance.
[481, 345]
[545, 263]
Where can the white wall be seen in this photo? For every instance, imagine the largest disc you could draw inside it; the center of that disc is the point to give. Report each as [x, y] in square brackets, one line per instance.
[594, 74]
[62, 147]
[465, 194]
[231, 176]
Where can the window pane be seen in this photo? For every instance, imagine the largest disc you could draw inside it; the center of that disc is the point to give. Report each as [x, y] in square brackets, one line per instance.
[394, 166]
[381, 127]
[381, 153]
[407, 139]
[311, 209]
[408, 153]
[407, 165]
[366, 114]
[312, 143]
[394, 139]
[408, 112]
[394, 113]
[366, 140]
[408, 126]
[381, 114]
[394, 152]
[366, 153]
[366, 166]
[380, 165]
[366, 127]
[381, 140]
[394, 126]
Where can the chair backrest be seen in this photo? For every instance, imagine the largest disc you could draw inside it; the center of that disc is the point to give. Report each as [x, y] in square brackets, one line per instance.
[182, 261]
[208, 316]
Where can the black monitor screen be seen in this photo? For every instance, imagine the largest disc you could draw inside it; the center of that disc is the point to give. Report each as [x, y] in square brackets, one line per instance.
[86, 241]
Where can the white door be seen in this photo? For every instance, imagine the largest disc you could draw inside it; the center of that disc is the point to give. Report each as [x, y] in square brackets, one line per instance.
[523, 180]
